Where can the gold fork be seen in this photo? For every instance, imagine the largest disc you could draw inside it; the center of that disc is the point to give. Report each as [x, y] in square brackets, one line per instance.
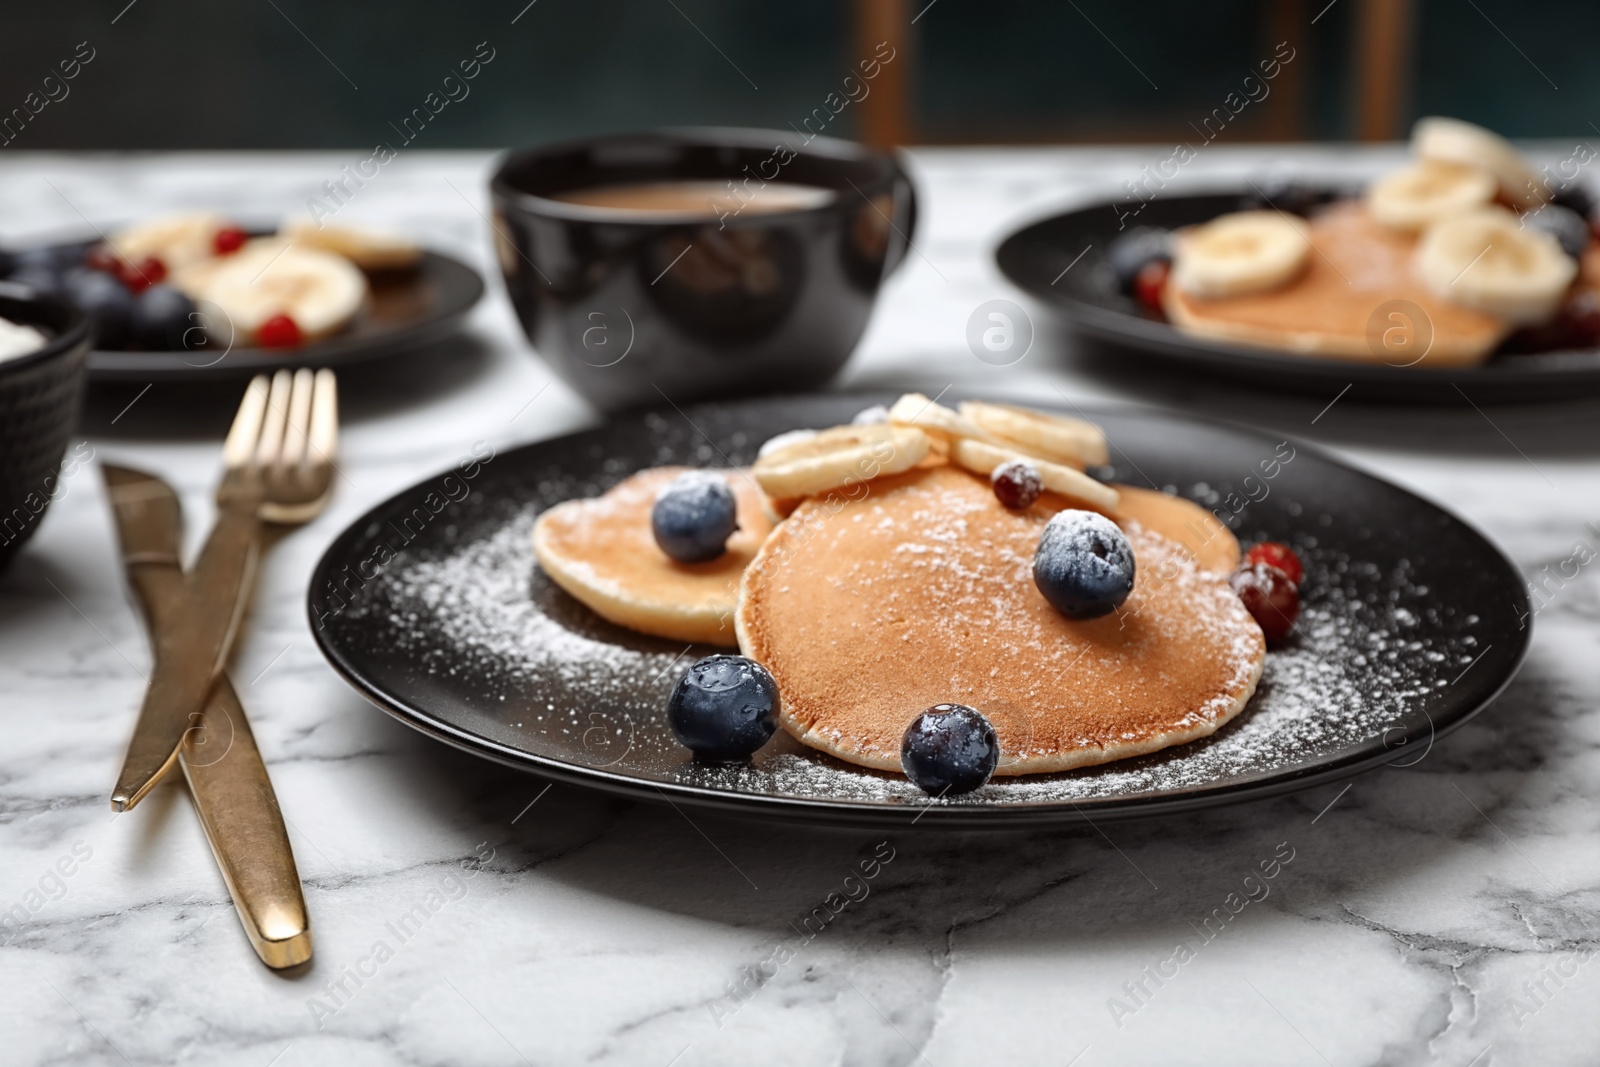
[277, 467]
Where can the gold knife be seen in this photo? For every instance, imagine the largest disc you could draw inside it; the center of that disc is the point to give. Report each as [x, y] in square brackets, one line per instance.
[226, 775]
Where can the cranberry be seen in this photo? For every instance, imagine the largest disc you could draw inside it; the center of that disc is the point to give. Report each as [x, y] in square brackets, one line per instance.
[142, 275]
[1016, 483]
[228, 240]
[280, 331]
[1149, 283]
[1270, 597]
[1279, 555]
[103, 257]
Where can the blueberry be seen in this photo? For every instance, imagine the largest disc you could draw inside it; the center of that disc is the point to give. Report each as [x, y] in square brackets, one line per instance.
[1083, 565]
[1564, 224]
[41, 280]
[105, 299]
[1287, 192]
[694, 515]
[724, 708]
[1575, 197]
[1131, 251]
[949, 749]
[161, 316]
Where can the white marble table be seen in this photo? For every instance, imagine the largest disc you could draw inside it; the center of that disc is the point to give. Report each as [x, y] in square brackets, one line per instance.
[1443, 912]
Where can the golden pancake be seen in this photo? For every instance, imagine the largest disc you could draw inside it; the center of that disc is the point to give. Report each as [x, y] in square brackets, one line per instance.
[919, 591]
[602, 551]
[1192, 526]
[1357, 265]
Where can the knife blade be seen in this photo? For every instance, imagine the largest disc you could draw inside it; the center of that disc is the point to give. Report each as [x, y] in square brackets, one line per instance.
[226, 774]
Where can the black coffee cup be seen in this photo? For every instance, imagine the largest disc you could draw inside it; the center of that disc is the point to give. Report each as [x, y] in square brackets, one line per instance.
[630, 308]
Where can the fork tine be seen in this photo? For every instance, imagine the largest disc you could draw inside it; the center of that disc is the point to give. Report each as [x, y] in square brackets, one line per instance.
[294, 439]
[270, 446]
[324, 418]
[246, 427]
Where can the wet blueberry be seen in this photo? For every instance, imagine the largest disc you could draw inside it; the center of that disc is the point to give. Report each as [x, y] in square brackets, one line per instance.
[1083, 565]
[1564, 224]
[1575, 197]
[949, 749]
[105, 300]
[1129, 252]
[724, 708]
[161, 316]
[694, 515]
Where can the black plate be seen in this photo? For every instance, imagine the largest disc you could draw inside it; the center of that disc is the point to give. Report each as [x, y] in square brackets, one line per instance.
[432, 606]
[408, 309]
[1035, 257]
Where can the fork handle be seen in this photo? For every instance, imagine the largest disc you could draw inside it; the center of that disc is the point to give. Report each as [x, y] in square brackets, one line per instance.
[191, 654]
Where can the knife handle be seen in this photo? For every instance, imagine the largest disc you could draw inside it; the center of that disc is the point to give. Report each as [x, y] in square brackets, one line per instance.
[240, 814]
[191, 650]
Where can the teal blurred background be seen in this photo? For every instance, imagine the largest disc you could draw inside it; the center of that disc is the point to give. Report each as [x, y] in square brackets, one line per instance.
[293, 73]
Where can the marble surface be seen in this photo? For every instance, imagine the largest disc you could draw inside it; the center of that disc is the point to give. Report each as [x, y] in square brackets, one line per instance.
[1447, 911]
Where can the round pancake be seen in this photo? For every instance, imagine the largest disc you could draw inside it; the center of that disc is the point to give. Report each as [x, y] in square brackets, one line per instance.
[602, 551]
[1190, 525]
[920, 591]
[1357, 265]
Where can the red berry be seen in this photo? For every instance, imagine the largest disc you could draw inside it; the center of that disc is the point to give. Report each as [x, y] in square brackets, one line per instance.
[1270, 597]
[143, 274]
[102, 257]
[1016, 483]
[280, 331]
[1279, 555]
[228, 240]
[1149, 283]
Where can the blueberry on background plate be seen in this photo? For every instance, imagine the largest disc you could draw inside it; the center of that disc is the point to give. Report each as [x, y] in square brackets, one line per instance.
[105, 300]
[160, 318]
[1575, 197]
[724, 707]
[1129, 252]
[1083, 565]
[949, 749]
[694, 515]
[1564, 224]
[1285, 191]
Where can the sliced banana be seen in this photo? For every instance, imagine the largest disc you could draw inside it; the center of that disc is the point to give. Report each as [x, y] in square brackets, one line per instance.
[981, 458]
[1428, 191]
[1484, 260]
[1453, 141]
[837, 457]
[322, 292]
[177, 241]
[783, 440]
[1058, 438]
[1245, 252]
[367, 249]
[945, 424]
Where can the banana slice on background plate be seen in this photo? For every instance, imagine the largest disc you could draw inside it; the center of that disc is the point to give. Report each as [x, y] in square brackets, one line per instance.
[981, 458]
[320, 291]
[839, 457]
[178, 241]
[1427, 192]
[1453, 141]
[367, 249]
[1487, 261]
[1058, 438]
[1245, 252]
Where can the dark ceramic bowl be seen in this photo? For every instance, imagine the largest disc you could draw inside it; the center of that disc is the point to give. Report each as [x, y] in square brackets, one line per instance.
[629, 309]
[40, 394]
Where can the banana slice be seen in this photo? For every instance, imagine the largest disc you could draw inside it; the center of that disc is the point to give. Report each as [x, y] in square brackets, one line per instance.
[322, 292]
[1074, 442]
[945, 424]
[178, 241]
[1428, 191]
[1245, 252]
[1462, 143]
[841, 456]
[981, 458]
[367, 249]
[1483, 260]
